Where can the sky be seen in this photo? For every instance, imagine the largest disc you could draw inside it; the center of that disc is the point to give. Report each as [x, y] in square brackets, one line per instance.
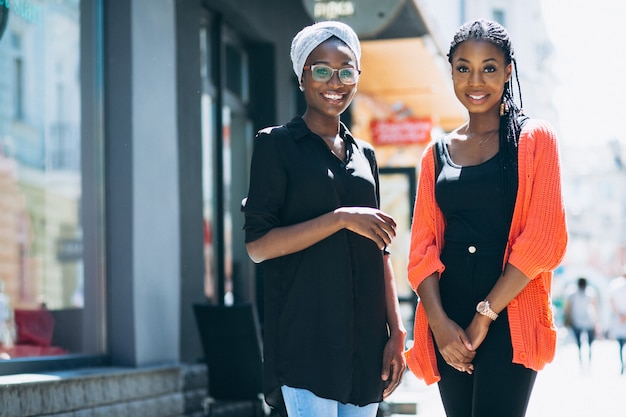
[589, 40]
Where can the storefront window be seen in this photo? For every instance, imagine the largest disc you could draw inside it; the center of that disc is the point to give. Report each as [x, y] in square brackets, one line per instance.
[42, 263]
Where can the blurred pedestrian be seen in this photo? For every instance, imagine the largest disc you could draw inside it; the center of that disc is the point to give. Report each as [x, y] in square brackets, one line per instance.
[617, 299]
[333, 335]
[582, 315]
[488, 230]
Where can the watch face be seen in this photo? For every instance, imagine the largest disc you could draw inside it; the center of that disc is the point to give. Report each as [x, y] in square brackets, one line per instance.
[485, 309]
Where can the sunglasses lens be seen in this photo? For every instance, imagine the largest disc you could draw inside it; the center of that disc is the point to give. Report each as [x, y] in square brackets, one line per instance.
[321, 73]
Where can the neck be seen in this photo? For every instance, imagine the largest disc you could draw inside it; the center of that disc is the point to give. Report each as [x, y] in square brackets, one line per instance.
[480, 128]
[480, 134]
[325, 127]
[481, 123]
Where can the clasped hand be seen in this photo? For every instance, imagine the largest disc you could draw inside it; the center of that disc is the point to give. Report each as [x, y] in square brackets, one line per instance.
[370, 223]
[458, 347]
[455, 346]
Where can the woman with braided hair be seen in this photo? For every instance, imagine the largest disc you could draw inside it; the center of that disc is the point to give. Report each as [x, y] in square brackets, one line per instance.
[488, 230]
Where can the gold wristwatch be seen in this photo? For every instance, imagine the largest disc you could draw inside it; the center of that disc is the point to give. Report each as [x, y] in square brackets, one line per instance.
[485, 309]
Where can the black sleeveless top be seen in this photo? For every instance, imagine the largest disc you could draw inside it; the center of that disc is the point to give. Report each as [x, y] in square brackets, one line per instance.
[477, 201]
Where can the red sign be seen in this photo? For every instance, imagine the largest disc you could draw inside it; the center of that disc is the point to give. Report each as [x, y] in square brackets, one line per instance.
[408, 130]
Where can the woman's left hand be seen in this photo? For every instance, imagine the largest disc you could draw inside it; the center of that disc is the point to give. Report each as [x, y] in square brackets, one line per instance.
[394, 364]
[477, 330]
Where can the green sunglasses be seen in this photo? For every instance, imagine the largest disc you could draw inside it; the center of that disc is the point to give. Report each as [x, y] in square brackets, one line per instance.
[323, 73]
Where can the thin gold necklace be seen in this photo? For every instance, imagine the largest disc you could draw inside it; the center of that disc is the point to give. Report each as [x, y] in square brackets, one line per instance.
[483, 142]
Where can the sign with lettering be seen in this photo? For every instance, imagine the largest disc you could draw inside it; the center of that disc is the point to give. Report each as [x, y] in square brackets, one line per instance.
[404, 131]
[366, 17]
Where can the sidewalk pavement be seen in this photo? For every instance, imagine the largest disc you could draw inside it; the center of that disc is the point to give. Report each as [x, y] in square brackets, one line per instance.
[564, 388]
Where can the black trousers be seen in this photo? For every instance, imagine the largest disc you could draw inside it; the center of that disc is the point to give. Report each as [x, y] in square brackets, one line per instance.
[498, 387]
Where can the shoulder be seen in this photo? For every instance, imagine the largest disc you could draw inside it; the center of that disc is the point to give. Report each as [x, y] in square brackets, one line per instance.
[538, 135]
[427, 153]
[271, 132]
[364, 145]
[294, 129]
[272, 143]
[367, 150]
[537, 129]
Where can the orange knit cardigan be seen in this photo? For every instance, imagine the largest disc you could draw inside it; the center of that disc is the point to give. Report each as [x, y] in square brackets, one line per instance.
[536, 246]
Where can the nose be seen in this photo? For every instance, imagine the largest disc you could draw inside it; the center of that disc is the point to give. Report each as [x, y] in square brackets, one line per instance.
[476, 77]
[334, 80]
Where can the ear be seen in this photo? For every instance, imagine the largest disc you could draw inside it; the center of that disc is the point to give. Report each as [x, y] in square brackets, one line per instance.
[509, 72]
[301, 82]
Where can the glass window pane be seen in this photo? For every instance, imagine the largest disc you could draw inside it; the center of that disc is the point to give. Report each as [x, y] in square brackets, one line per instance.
[208, 138]
[41, 235]
[210, 284]
[236, 70]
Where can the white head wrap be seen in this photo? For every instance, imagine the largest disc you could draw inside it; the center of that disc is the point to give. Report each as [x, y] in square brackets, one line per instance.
[311, 36]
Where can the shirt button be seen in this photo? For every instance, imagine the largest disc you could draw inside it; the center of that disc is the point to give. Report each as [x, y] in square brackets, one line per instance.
[471, 249]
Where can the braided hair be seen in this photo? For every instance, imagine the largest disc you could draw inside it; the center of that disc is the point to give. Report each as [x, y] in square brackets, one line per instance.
[511, 115]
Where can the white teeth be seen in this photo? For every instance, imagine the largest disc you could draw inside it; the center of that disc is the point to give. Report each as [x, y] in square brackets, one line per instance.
[333, 96]
[477, 97]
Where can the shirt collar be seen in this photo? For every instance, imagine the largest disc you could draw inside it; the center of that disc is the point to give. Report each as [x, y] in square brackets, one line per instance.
[300, 130]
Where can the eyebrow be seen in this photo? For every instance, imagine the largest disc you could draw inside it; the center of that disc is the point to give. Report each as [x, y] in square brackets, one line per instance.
[328, 63]
[484, 60]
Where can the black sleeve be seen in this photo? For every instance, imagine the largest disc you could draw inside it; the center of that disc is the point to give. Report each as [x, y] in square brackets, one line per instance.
[266, 193]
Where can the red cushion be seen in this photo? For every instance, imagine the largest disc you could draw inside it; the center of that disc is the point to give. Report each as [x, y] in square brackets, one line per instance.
[23, 351]
[34, 327]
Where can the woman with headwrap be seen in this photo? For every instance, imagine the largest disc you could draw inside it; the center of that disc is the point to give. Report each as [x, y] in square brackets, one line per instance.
[333, 336]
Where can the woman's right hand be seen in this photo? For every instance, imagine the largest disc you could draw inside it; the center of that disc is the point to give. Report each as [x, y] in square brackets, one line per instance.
[284, 240]
[454, 345]
[370, 223]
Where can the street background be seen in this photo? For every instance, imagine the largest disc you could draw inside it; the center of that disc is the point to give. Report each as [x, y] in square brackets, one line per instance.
[563, 388]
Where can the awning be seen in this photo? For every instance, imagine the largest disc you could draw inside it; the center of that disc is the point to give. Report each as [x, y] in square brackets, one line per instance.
[410, 72]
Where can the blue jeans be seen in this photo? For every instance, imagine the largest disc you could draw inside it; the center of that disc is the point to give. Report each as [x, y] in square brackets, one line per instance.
[303, 403]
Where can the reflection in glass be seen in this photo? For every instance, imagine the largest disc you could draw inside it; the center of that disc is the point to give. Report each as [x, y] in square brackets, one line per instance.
[207, 132]
[207, 192]
[41, 261]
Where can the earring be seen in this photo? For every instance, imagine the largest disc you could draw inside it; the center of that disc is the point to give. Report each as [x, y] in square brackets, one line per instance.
[504, 108]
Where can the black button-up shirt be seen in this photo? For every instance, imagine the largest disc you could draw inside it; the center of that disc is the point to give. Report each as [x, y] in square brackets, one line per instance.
[325, 321]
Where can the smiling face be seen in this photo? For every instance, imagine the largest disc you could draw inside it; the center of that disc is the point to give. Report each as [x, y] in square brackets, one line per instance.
[479, 73]
[331, 98]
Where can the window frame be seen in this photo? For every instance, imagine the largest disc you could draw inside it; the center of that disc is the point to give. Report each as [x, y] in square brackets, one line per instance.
[92, 201]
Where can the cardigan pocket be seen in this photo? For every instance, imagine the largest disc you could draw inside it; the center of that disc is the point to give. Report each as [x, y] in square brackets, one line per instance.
[546, 346]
